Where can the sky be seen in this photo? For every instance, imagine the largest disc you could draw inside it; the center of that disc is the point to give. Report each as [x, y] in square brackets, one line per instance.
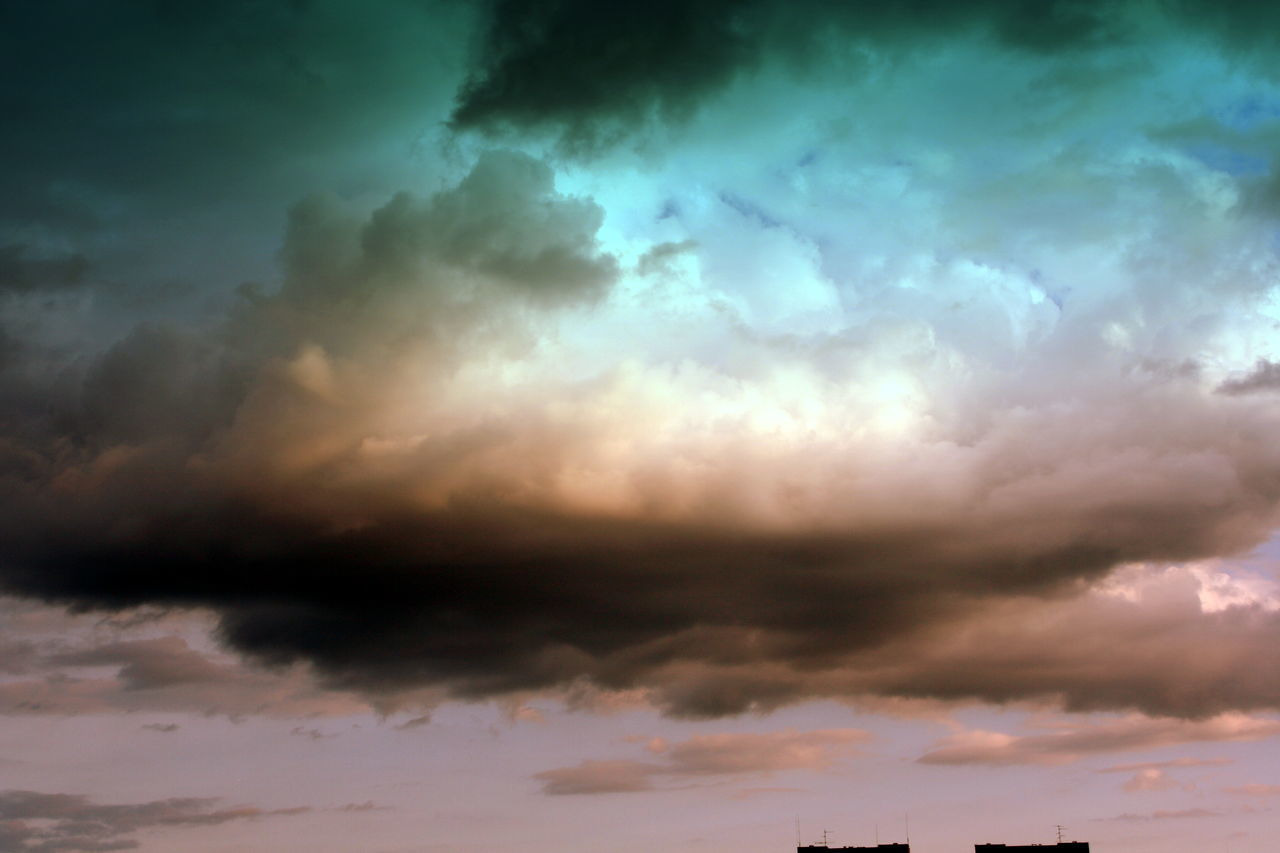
[544, 425]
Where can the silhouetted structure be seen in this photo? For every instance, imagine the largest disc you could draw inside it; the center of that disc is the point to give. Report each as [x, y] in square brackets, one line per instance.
[878, 848]
[1060, 847]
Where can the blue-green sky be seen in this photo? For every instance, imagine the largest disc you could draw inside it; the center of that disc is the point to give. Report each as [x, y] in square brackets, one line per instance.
[544, 425]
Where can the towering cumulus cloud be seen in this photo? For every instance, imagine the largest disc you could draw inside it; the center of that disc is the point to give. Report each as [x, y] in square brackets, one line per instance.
[949, 378]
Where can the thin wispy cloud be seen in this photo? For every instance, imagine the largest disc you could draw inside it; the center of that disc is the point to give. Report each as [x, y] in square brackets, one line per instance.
[1255, 789]
[1083, 740]
[714, 758]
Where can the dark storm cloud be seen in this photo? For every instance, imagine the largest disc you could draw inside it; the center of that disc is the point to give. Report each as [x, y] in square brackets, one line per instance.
[497, 603]
[1090, 653]
[158, 381]
[712, 622]
[346, 468]
[497, 222]
[353, 471]
[1172, 763]
[595, 73]
[32, 821]
[550, 62]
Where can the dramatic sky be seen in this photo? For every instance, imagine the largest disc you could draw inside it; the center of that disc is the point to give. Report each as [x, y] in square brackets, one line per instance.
[547, 425]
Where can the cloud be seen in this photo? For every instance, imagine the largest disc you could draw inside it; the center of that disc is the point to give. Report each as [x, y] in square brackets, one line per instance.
[658, 259]
[886, 436]
[400, 447]
[1153, 779]
[722, 755]
[312, 734]
[1255, 789]
[627, 61]
[1113, 647]
[79, 664]
[1163, 814]
[596, 76]
[600, 777]
[1264, 377]
[30, 820]
[1173, 763]
[415, 722]
[1077, 742]
[597, 73]
[21, 269]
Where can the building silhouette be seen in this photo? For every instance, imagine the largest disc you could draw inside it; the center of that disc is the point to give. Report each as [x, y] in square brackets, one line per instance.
[1060, 847]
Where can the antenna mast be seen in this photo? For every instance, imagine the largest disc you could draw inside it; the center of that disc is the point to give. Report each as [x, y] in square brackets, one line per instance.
[1060, 828]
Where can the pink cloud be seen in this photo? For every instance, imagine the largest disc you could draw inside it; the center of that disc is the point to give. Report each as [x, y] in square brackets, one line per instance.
[719, 755]
[1072, 744]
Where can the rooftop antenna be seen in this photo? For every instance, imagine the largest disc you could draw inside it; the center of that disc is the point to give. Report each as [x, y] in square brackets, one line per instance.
[825, 840]
[877, 834]
[798, 831]
[1060, 828]
[906, 825]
